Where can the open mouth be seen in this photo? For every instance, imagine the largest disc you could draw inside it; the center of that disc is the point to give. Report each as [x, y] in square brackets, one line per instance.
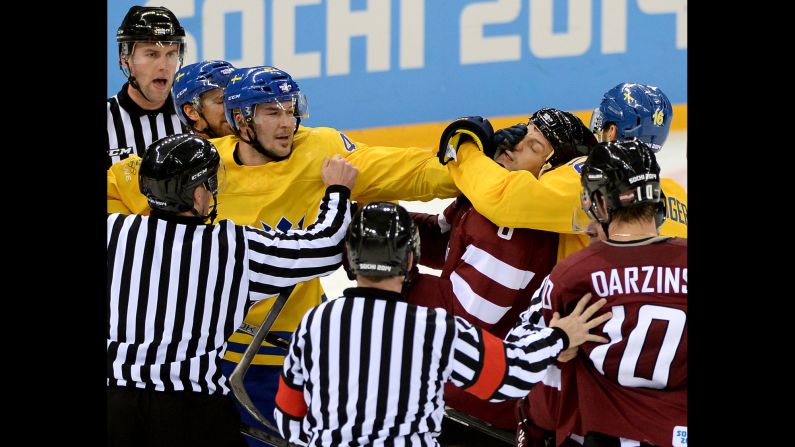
[160, 83]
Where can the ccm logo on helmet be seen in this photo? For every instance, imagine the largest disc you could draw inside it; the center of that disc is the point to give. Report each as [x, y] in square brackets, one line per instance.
[198, 174]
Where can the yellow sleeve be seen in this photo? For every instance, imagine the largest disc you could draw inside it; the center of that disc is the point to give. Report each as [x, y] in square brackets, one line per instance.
[397, 173]
[123, 193]
[676, 208]
[517, 199]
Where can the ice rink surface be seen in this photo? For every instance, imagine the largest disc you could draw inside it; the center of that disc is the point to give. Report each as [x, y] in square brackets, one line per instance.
[672, 160]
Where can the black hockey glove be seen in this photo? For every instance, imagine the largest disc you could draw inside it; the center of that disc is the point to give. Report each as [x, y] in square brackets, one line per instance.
[508, 138]
[475, 128]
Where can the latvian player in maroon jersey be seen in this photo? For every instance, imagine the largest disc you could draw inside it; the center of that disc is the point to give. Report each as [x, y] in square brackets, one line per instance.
[489, 273]
[631, 391]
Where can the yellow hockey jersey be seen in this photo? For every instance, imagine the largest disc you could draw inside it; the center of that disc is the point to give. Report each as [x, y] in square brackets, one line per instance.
[518, 199]
[286, 194]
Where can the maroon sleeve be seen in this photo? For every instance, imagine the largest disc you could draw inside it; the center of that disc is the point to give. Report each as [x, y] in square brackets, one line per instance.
[432, 291]
[432, 241]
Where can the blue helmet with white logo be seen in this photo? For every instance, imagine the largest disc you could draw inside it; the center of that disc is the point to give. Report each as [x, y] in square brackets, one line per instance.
[638, 111]
[194, 79]
[248, 87]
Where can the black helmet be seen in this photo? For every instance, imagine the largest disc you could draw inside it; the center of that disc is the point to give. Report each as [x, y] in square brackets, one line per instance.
[173, 167]
[568, 135]
[149, 24]
[626, 174]
[379, 240]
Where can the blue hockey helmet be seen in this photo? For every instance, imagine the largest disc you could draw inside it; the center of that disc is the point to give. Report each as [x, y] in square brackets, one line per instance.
[251, 86]
[638, 111]
[194, 79]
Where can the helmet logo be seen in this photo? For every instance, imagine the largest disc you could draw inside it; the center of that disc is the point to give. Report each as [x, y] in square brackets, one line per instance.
[179, 76]
[378, 267]
[658, 117]
[285, 87]
[235, 79]
[198, 174]
[628, 97]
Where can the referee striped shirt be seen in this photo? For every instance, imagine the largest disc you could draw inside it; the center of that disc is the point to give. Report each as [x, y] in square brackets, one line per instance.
[369, 368]
[132, 129]
[177, 288]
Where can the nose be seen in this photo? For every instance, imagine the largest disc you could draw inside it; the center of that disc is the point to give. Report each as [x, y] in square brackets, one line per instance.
[287, 118]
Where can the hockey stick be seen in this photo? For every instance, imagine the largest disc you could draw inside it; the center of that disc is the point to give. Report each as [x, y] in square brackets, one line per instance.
[262, 436]
[270, 337]
[236, 378]
[473, 422]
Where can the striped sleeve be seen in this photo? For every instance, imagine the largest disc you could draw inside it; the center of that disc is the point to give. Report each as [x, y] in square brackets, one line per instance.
[277, 260]
[291, 407]
[497, 370]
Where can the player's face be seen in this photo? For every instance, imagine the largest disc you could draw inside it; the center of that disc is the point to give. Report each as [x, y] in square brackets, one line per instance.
[274, 123]
[530, 154]
[154, 66]
[212, 105]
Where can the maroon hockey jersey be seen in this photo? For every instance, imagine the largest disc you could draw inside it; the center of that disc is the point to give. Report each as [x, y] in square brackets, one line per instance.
[635, 386]
[488, 276]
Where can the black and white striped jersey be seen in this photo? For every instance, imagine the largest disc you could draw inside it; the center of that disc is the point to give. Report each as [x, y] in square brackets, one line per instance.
[368, 367]
[177, 288]
[132, 129]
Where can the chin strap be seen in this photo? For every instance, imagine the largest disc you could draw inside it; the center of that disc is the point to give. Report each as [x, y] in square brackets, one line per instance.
[208, 130]
[547, 166]
[211, 215]
[128, 74]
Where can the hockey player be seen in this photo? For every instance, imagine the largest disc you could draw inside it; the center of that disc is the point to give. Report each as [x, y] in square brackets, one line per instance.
[198, 94]
[517, 199]
[490, 272]
[626, 111]
[272, 165]
[634, 387]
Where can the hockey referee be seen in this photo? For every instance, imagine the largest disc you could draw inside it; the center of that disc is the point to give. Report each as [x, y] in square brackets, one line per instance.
[151, 48]
[178, 288]
[369, 369]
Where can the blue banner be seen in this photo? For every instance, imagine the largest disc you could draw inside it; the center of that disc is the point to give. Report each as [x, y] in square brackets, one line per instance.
[373, 63]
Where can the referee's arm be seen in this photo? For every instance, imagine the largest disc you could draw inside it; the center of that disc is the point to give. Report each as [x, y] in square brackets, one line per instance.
[278, 260]
[497, 370]
[291, 407]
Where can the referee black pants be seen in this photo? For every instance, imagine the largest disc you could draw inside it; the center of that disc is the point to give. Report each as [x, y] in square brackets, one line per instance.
[139, 417]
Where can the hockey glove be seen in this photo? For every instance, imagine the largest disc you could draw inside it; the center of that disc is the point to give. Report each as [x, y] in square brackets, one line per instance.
[475, 128]
[506, 139]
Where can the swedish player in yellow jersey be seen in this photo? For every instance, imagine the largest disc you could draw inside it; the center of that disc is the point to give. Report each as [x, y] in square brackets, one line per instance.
[518, 199]
[273, 180]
